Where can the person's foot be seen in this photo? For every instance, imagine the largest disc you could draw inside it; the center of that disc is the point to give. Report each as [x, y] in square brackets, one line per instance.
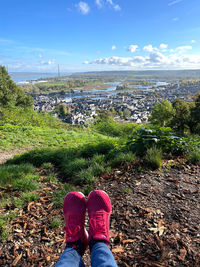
[74, 209]
[99, 211]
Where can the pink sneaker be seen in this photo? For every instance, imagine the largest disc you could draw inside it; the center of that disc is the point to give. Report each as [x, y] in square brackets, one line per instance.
[99, 211]
[74, 209]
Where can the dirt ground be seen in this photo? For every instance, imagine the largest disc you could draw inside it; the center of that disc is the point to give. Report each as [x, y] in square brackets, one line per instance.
[5, 155]
[155, 220]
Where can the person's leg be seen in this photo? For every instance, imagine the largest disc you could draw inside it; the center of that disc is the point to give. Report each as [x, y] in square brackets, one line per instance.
[70, 258]
[99, 211]
[74, 209]
[101, 256]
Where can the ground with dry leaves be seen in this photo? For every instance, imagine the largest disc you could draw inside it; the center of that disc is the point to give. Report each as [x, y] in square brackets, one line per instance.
[155, 220]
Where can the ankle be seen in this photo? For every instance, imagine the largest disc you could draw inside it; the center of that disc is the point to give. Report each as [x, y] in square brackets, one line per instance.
[77, 245]
[95, 241]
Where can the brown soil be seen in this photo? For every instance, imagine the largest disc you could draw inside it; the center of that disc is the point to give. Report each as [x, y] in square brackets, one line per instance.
[155, 221]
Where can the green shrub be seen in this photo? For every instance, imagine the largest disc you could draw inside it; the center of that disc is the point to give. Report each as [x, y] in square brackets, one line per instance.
[162, 138]
[154, 157]
[194, 156]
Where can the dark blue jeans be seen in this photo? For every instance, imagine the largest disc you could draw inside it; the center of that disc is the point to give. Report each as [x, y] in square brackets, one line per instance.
[101, 256]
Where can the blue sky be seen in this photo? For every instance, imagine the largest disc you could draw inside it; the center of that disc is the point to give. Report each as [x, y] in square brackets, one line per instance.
[99, 35]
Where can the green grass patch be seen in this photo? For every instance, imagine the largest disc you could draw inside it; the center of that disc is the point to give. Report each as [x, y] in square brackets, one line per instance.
[59, 195]
[30, 196]
[154, 157]
[122, 158]
[3, 230]
[56, 223]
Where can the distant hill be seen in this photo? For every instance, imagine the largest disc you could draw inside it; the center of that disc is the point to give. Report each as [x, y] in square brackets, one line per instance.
[148, 74]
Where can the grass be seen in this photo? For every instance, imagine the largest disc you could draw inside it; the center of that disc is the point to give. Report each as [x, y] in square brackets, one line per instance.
[17, 175]
[122, 158]
[58, 196]
[56, 223]
[3, 230]
[15, 137]
[154, 157]
[108, 126]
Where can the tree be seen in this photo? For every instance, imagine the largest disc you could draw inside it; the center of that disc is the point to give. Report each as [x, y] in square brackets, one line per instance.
[62, 109]
[195, 115]
[162, 113]
[10, 93]
[181, 115]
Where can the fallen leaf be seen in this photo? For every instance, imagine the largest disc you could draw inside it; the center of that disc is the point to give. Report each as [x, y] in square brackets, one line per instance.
[118, 249]
[127, 241]
[17, 260]
[159, 228]
[183, 253]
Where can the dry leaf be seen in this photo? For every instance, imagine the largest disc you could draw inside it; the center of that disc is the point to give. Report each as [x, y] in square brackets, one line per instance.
[159, 228]
[17, 260]
[118, 249]
[183, 253]
[127, 241]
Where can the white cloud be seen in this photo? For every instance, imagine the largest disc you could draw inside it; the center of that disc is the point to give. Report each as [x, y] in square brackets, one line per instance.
[117, 7]
[149, 48]
[49, 62]
[182, 49]
[193, 41]
[83, 7]
[155, 60]
[86, 62]
[132, 48]
[40, 56]
[114, 47]
[99, 3]
[172, 3]
[163, 46]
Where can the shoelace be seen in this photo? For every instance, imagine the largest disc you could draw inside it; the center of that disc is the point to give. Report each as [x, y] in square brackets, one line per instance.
[72, 231]
[98, 225]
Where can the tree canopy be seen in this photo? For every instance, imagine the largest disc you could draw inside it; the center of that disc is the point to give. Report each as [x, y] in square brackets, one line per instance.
[162, 113]
[10, 93]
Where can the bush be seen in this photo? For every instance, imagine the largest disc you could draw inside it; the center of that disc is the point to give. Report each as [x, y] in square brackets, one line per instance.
[162, 138]
[154, 157]
[194, 156]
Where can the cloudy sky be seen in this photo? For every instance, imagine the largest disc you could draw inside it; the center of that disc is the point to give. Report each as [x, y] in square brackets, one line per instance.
[99, 35]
